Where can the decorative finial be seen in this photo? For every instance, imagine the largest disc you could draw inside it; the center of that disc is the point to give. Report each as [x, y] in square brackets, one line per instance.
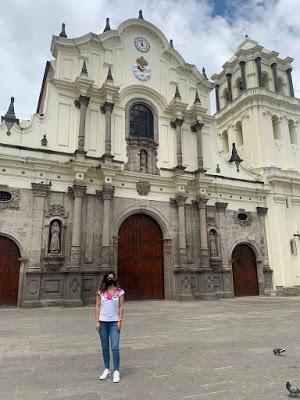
[141, 14]
[204, 73]
[63, 30]
[171, 43]
[177, 94]
[109, 75]
[235, 157]
[197, 98]
[10, 117]
[246, 36]
[107, 26]
[218, 170]
[84, 69]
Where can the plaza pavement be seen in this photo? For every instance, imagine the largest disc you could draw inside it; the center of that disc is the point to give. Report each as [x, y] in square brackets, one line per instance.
[169, 350]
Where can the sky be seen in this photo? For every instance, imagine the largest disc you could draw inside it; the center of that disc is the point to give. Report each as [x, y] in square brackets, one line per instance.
[205, 32]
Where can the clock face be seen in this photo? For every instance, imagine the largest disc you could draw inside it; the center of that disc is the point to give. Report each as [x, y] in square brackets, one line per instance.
[142, 44]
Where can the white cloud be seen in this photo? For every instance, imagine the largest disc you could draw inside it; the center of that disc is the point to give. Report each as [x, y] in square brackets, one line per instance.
[26, 27]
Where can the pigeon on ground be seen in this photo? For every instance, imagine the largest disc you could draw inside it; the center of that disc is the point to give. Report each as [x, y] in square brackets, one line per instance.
[292, 389]
[277, 351]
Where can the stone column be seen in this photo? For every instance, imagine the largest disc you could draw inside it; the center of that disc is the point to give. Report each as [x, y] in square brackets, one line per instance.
[274, 71]
[107, 196]
[221, 208]
[180, 202]
[107, 110]
[243, 75]
[217, 87]
[78, 190]
[177, 124]
[290, 81]
[258, 67]
[202, 200]
[197, 128]
[229, 86]
[266, 272]
[40, 192]
[82, 103]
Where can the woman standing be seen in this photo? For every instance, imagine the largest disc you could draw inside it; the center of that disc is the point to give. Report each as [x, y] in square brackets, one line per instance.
[109, 318]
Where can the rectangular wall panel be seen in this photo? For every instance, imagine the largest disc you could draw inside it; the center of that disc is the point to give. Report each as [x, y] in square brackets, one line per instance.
[118, 136]
[165, 144]
[63, 128]
[92, 124]
[67, 67]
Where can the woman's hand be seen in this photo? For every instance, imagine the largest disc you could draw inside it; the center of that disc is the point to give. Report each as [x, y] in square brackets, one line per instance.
[98, 326]
[119, 325]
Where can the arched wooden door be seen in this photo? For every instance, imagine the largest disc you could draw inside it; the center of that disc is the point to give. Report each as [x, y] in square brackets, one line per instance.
[9, 272]
[244, 271]
[140, 258]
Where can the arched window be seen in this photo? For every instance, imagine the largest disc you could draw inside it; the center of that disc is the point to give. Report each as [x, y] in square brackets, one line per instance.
[280, 86]
[225, 143]
[239, 134]
[141, 122]
[265, 80]
[226, 96]
[292, 131]
[239, 86]
[276, 129]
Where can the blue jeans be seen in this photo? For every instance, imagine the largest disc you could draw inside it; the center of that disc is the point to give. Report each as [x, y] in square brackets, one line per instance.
[108, 332]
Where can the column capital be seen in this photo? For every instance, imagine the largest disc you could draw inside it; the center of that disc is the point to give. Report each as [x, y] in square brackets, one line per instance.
[242, 63]
[107, 106]
[41, 189]
[176, 122]
[197, 127]
[180, 199]
[82, 101]
[78, 189]
[108, 191]
[221, 206]
[201, 201]
[262, 211]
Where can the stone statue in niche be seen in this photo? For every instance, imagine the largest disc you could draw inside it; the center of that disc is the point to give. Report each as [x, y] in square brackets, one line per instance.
[213, 247]
[143, 161]
[55, 233]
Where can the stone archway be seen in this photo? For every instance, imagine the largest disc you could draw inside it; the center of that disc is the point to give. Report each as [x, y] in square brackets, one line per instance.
[9, 271]
[140, 258]
[244, 271]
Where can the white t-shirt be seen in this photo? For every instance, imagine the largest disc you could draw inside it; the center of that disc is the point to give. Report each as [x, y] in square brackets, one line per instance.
[110, 304]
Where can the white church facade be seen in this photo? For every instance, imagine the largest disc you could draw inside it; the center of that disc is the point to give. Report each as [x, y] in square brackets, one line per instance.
[124, 168]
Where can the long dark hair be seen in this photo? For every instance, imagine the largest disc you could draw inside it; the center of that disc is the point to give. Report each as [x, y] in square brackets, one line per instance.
[103, 285]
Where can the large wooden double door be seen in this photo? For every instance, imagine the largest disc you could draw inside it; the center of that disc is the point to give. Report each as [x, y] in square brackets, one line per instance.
[9, 272]
[140, 258]
[244, 271]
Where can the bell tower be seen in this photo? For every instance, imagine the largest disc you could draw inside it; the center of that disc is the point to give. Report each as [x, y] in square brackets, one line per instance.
[256, 109]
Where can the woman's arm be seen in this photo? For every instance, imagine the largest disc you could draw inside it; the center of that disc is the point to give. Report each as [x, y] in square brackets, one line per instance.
[121, 311]
[98, 303]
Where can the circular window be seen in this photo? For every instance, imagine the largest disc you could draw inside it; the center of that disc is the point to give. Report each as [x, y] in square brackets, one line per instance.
[5, 196]
[242, 216]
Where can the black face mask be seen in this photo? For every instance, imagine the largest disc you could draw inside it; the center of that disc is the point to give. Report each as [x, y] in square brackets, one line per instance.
[110, 281]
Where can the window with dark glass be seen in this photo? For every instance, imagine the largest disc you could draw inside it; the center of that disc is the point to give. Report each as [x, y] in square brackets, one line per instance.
[141, 122]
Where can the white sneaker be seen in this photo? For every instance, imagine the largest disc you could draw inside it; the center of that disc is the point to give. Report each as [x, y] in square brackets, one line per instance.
[105, 374]
[116, 378]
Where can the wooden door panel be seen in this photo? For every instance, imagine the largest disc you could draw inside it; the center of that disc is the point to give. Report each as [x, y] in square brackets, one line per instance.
[9, 271]
[244, 271]
[140, 258]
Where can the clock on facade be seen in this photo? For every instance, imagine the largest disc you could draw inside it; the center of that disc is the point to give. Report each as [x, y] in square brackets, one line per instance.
[142, 44]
